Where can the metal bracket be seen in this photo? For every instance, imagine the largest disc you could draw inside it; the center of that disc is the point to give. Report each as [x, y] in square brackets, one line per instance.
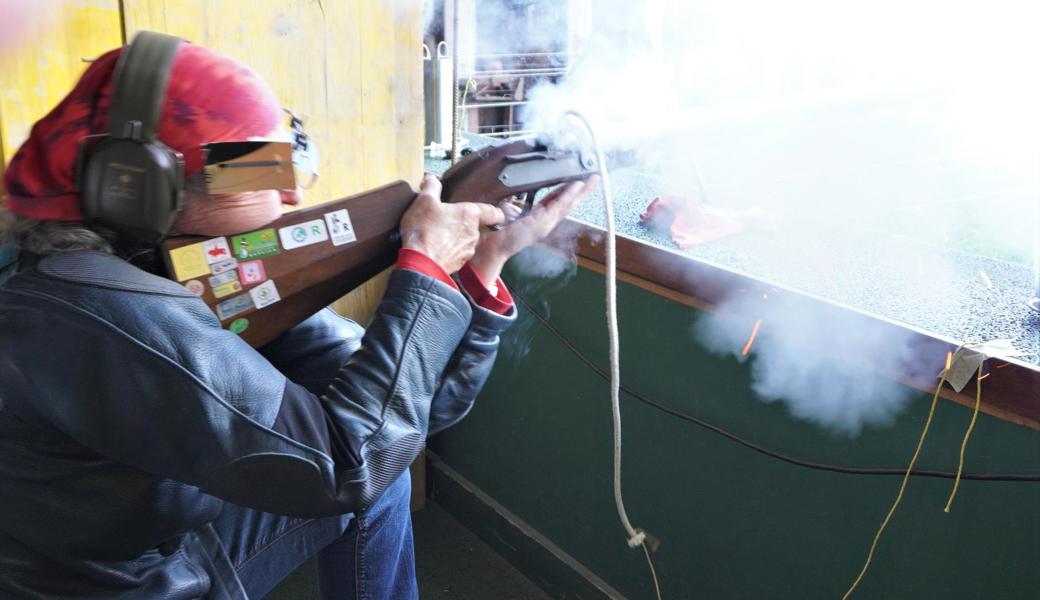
[531, 168]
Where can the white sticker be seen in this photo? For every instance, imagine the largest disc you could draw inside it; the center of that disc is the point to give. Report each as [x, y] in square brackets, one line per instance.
[304, 234]
[226, 277]
[264, 294]
[966, 362]
[963, 366]
[224, 266]
[340, 227]
[216, 250]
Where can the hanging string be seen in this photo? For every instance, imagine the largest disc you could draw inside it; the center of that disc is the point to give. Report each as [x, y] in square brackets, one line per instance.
[456, 124]
[636, 537]
[906, 477]
[964, 444]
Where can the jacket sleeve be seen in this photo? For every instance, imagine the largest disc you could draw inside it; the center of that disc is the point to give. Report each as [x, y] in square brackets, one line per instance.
[469, 366]
[312, 352]
[194, 403]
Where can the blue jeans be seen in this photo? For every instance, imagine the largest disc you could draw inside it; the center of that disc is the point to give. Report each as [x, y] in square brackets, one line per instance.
[368, 555]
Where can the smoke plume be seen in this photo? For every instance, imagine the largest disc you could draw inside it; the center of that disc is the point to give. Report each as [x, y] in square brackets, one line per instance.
[914, 119]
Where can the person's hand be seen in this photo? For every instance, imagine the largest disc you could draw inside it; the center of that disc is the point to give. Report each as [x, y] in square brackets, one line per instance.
[446, 233]
[496, 247]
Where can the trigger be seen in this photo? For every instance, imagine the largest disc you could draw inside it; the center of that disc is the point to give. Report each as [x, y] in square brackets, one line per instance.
[528, 203]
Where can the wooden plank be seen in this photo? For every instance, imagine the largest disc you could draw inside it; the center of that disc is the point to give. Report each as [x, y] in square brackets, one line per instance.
[379, 76]
[409, 106]
[392, 113]
[46, 66]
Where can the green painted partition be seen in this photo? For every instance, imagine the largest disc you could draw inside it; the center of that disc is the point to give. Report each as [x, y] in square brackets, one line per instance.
[732, 522]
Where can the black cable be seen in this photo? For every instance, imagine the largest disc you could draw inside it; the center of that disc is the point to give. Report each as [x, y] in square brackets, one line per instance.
[753, 446]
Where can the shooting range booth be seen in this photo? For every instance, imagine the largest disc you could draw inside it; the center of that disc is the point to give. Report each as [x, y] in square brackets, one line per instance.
[783, 321]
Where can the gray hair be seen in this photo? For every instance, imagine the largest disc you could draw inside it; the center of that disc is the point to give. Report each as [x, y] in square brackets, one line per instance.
[44, 238]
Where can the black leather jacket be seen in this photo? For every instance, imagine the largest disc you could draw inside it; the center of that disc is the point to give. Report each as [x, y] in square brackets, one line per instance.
[129, 416]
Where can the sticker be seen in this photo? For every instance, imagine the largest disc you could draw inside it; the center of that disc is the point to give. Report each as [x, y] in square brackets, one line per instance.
[189, 261]
[239, 325]
[264, 294]
[216, 250]
[304, 234]
[196, 287]
[230, 308]
[255, 244]
[340, 227]
[224, 266]
[252, 272]
[228, 277]
[227, 289]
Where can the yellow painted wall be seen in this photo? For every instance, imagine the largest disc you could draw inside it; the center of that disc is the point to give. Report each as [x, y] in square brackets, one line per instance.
[353, 68]
[48, 63]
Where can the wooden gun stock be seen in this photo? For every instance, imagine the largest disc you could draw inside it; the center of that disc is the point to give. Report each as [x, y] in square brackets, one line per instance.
[262, 283]
[305, 278]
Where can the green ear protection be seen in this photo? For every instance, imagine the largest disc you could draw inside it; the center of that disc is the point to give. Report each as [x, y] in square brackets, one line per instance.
[129, 181]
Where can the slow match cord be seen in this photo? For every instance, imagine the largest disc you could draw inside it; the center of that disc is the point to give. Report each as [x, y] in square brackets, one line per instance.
[636, 537]
[456, 121]
[845, 470]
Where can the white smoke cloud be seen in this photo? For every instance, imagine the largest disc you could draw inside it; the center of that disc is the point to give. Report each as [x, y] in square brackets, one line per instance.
[914, 118]
[542, 264]
[798, 359]
[770, 98]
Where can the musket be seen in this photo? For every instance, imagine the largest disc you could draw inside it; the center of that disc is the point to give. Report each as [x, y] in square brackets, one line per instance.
[262, 283]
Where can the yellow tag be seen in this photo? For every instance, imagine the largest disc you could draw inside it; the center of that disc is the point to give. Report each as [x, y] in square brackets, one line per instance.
[227, 289]
[189, 262]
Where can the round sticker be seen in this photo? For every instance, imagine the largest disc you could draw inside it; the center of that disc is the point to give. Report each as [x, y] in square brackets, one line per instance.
[239, 325]
[196, 287]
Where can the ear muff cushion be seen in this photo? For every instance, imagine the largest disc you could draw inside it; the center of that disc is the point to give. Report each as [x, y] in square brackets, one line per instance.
[133, 188]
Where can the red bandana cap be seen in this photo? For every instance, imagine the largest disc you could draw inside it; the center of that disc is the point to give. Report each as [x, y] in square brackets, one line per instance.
[210, 98]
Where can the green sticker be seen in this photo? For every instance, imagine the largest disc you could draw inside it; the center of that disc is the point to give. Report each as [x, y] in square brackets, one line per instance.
[239, 325]
[255, 244]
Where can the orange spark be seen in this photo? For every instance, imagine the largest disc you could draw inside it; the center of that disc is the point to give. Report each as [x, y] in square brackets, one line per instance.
[751, 340]
[949, 360]
[986, 279]
[1003, 365]
[984, 376]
